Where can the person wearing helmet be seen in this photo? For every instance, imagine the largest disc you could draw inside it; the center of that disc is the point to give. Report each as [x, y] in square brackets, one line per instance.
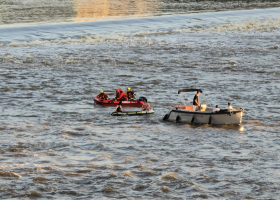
[102, 95]
[130, 94]
[117, 94]
[122, 96]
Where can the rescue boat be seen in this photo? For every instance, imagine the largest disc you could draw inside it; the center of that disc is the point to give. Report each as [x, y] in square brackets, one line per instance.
[132, 113]
[112, 102]
[191, 114]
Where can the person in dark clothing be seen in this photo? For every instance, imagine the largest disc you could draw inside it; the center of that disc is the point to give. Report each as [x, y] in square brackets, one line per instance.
[196, 100]
[102, 95]
[117, 94]
[119, 107]
[130, 94]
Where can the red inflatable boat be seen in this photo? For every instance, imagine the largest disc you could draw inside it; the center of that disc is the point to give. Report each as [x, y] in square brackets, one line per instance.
[113, 102]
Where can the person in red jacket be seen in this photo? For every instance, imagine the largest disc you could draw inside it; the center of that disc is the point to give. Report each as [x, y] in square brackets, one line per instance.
[102, 95]
[122, 96]
[117, 94]
[130, 94]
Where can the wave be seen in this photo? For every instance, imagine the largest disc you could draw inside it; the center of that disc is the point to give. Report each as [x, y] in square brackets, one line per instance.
[140, 38]
[52, 11]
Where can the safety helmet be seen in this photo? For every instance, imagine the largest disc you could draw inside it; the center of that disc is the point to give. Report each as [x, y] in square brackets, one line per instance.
[101, 91]
[121, 90]
[117, 90]
[128, 88]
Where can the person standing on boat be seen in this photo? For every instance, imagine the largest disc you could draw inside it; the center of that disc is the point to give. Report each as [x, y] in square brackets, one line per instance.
[229, 105]
[196, 100]
[146, 106]
[102, 95]
[117, 94]
[119, 107]
[122, 96]
[130, 94]
[216, 108]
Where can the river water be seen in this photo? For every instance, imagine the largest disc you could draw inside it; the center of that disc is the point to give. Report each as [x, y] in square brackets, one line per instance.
[57, 144]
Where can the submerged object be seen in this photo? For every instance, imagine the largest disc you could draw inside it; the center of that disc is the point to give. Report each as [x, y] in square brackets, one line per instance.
[112, 102]
[133, 113]
[192, 114]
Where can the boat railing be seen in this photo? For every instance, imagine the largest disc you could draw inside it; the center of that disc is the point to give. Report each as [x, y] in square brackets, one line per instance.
[185, 107]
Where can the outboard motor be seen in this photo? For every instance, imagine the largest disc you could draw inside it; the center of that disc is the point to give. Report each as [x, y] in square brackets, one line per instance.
[142, 98]
[166, 116]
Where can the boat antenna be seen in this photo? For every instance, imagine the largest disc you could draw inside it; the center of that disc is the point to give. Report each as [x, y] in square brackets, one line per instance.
[207, 100]
[182, 100]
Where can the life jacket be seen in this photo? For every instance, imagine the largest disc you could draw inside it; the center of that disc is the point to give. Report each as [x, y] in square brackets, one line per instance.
[117, 95]
[103, 96]
[131, 95]
[123, 96]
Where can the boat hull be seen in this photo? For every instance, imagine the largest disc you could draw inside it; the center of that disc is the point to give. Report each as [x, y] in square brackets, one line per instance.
[224, 117]
[112, 102]
[132, 113]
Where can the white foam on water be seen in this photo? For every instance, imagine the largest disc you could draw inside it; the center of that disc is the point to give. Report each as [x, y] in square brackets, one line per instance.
[136, 39]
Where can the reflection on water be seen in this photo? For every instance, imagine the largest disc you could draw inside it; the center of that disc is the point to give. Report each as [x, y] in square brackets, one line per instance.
[93, 10]
[36, 11]
[50, 11]
[56, 144]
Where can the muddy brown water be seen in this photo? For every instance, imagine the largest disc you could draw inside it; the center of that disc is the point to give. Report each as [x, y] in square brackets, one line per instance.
[57, 144]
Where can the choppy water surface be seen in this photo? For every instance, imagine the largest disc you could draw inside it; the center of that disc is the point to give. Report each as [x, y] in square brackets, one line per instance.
[46, 11]
[55, 143]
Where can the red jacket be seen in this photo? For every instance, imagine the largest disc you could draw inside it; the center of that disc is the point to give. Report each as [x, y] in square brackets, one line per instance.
[103, 96]
[122, 96]
[117, 95]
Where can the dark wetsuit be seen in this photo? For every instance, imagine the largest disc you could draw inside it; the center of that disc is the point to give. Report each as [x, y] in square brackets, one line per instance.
[103, 96]
[195, 98]
[117, 95]
[130, 95]
[119, 109]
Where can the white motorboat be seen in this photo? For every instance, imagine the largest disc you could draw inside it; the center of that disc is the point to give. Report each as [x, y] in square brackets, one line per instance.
[192, 114]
